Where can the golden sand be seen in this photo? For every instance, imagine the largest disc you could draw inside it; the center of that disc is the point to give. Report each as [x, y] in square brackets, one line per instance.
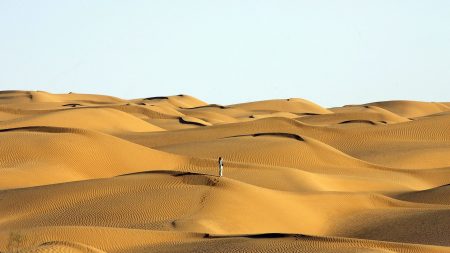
[93, 173]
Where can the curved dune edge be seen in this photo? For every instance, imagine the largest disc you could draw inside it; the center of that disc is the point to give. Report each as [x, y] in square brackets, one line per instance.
[94, 173]
[193, 121]
[358, 121]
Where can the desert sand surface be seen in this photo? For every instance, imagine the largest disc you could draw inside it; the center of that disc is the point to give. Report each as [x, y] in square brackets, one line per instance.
[95, 173]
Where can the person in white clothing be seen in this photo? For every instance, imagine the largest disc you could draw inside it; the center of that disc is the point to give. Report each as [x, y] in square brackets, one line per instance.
[220, 166]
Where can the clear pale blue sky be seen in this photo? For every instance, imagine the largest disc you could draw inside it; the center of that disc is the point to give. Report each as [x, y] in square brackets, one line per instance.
[330, 52]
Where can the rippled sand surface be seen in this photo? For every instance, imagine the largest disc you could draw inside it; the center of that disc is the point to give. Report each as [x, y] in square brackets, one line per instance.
[93, 173]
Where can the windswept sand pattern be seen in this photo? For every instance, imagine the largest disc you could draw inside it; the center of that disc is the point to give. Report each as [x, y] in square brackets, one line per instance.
[94, 173]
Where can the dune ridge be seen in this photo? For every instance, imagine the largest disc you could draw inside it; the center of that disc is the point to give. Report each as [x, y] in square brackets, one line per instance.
[95, 173]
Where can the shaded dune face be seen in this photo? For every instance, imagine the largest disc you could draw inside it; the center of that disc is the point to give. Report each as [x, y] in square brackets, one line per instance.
[93, 173]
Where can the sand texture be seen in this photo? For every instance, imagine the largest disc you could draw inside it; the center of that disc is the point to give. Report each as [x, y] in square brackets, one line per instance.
[94, 173]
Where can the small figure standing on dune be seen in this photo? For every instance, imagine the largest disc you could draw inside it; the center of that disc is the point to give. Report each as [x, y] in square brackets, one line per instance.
[220, 166]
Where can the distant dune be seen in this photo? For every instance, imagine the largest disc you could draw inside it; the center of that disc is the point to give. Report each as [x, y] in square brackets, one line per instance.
[93, 173]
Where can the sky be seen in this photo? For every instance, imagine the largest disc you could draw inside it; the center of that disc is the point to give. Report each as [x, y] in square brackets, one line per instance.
[332, 52]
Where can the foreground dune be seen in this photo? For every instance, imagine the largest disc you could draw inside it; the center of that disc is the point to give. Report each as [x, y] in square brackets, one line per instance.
[93, 173]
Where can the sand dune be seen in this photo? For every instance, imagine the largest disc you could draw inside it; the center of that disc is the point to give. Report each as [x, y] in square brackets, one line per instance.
[412, 109]
[438, 195]
[105, 120]
[93, 173]
[354, 113]
[292, 105]
[44, 155]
